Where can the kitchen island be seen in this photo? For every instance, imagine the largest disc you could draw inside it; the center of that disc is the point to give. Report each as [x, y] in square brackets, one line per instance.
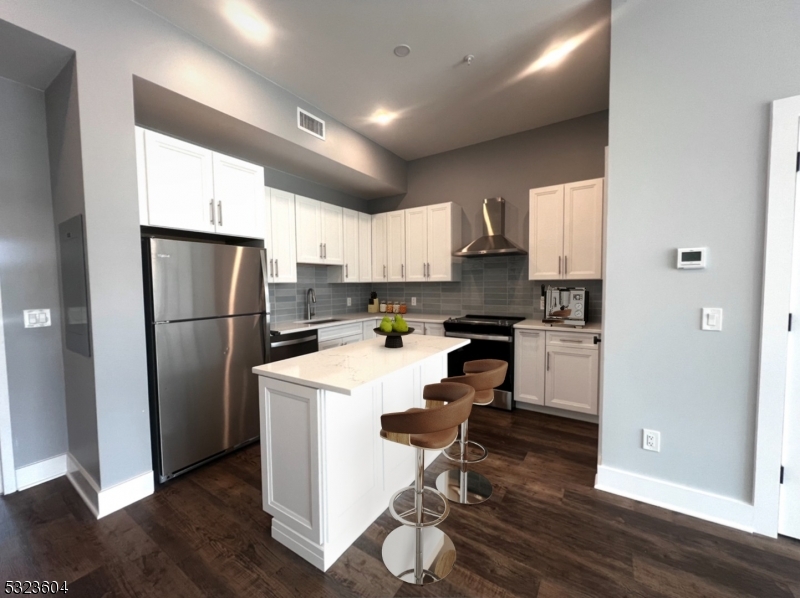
[326, 474]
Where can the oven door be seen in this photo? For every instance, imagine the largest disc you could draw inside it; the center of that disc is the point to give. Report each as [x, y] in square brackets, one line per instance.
[486, 346]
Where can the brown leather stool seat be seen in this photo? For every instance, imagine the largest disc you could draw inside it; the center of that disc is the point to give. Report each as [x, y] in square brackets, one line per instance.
[460, 485]
[418, 552]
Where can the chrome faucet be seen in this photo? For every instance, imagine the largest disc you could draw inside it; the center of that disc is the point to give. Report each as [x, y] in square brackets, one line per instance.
[311, 299]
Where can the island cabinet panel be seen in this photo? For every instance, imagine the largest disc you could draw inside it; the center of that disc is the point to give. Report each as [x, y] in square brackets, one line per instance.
[290, 459]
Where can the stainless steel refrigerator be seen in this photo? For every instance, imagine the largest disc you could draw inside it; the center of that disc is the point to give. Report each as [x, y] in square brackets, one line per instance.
[208, 325]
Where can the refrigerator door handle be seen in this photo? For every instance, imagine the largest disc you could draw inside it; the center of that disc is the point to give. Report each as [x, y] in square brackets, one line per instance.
[266, 302]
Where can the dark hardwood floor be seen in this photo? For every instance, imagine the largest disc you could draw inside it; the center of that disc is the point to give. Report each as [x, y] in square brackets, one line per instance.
[546, 532]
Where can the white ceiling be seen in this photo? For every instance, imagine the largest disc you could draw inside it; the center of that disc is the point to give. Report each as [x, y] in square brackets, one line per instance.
[337, 55]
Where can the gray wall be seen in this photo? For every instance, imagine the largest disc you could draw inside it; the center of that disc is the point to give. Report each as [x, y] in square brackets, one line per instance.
[66, 181]
[300, 186]
[288, 301]
[507, 167]
[691, 84]
[29, 277]
[113, 42]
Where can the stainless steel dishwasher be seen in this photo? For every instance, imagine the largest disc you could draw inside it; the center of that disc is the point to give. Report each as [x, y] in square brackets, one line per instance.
[294, 344]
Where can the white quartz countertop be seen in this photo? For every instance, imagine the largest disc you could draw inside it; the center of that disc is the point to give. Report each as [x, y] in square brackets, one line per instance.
[591, 327]
[288, 327]
[343, 369]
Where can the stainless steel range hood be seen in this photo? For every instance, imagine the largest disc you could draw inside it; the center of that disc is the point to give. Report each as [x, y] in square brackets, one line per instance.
[493, 241]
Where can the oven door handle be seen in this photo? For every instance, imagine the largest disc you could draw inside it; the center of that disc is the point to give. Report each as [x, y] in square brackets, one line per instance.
[480, 337]
[296, 341]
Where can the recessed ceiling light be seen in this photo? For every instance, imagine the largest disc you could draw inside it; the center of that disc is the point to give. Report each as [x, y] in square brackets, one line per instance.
[402, 51]
[247, 21]
[383, 117]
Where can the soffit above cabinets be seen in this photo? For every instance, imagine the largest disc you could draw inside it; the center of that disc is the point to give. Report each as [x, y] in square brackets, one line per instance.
[338, 55]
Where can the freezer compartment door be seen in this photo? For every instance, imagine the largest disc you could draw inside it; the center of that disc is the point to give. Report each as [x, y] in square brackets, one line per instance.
[194, 280]
[207, 393]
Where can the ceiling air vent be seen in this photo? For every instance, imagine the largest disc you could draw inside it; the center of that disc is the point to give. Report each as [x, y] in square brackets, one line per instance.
[310, 124]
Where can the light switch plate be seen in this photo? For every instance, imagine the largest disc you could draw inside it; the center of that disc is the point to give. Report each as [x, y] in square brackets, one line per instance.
[36, 318]
[712, 319]
[349, 302]
[413, 301]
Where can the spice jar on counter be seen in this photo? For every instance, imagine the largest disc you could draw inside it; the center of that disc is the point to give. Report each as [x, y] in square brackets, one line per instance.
[397, 307]
[383, 307]
[389, 307]
[403, 307]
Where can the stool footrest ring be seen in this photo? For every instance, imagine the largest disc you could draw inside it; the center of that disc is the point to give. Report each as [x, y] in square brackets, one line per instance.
[456, 448]
[401, 517]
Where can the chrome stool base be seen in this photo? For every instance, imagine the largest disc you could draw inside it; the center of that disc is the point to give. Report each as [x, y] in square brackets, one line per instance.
[464, 487]
[420, 556]
[453, 452]
[429, 517]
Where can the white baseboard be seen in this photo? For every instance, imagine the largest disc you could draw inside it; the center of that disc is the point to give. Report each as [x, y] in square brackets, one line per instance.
[41, 471]
[301, 546]
[105, 502]
[674, 497]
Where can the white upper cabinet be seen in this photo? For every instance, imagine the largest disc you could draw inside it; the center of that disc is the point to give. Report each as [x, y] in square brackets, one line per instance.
[331, 227]
[379, 248]
[184, 186]
[319, 232]
[416, 243]
[546, 233]
[180, 185]
[364, 247]
[281, 242]
[566, 231]
[351, 245]
[396, 246]
[239, 195]
[443, 238]
[432, 233]
[309, 235]
[583, 230]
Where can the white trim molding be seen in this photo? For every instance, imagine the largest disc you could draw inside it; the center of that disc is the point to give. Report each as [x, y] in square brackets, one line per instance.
[8, 482]
[105, 502]
[41, 471]
[683, 499]
[779, 241]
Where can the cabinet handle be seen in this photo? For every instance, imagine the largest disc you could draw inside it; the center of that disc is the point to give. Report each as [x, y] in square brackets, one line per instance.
[429, 269]
[566, 270]
[271, 269]
[384, 270]
[402, 270]
[277, 272]
[219, 213]
[320, 251]
[325, 250]
[211, 209]
[346, 271]
[548, 361]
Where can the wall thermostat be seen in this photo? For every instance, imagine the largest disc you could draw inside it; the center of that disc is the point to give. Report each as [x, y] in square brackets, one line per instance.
[692, 258]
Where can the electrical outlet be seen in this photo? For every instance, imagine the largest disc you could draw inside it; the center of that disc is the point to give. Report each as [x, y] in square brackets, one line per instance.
[413, 301]
[349, 302]
[651, 440]
[541, 303]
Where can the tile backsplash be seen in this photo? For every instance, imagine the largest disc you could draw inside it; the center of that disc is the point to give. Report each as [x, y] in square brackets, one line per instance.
[490, 285]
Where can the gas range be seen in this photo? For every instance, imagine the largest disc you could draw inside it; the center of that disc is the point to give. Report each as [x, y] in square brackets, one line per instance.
[491, 337]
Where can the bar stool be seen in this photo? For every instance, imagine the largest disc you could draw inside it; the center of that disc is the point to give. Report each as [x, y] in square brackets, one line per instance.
[418, 552]
[460, 485]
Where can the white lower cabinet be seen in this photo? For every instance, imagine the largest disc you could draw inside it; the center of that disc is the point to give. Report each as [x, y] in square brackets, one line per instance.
[434, 329]
[529, 366]
[419, 327]
[334, 342]
[557, 369]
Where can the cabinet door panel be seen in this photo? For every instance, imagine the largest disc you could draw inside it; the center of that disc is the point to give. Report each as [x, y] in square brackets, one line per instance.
[364, 247]
[141, 177]
[416, 243]
[282, 229]
[434, 330]
[571, 379]
[546, 233]
[331, 228]
[334, 342]
[380, 245]
[529, 367]
[179, 184]
[396, 246]
[309, 234]
[350, 228]
[583, 230]
[440, 243]
[238, 193]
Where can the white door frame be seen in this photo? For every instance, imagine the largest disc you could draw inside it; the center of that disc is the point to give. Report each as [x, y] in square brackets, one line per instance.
[772, 369]
[8, 478]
